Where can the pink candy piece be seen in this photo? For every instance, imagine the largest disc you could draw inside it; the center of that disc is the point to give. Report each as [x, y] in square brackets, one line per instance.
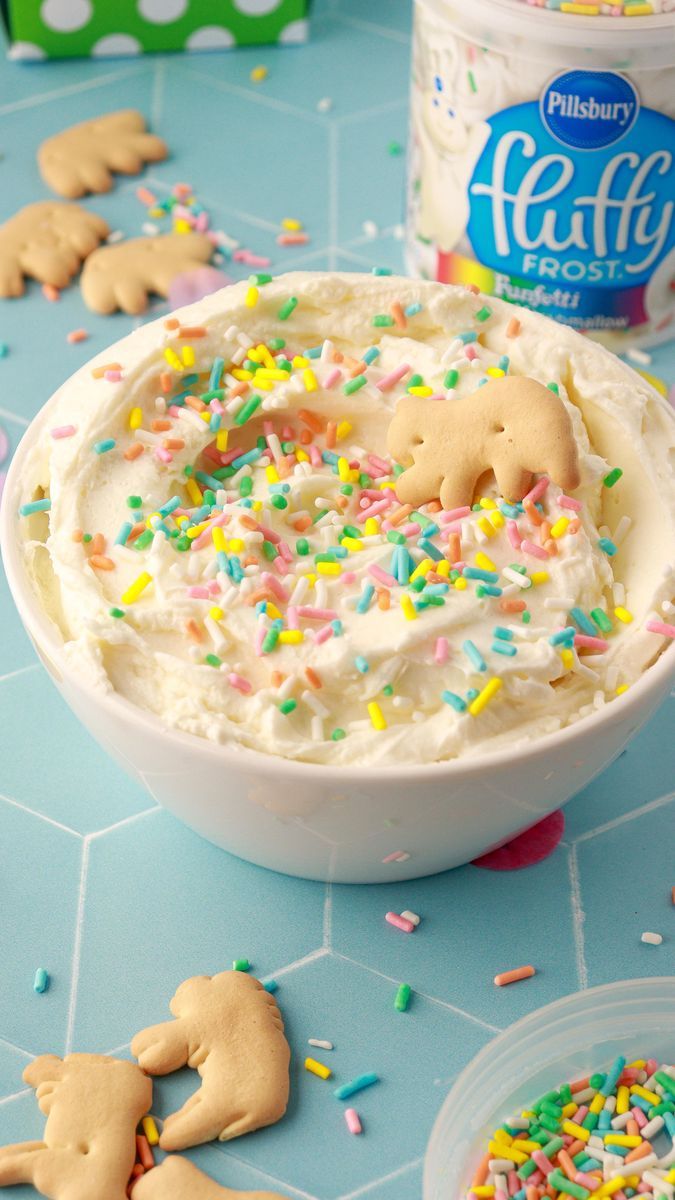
[442, 651]
[274, 585]
[513, 534]
[399, 922]
[381, 575]
[198, 593]
[535, 493]
[238, 682]
[191, 286]
[387, 381]
[535, 551]
[332, 377]
[570, 502]
[60, 431]
[163, 455]
[453, 514]
[316, 614]
[322, 635]
[593, 643]
[353, 1120]
[661, 627]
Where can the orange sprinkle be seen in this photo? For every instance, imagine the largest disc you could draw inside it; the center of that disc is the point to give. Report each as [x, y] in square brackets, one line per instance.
[551, 547]
[514, 976]
[350, 362]
[358, 369]
[99, 372]
[331, 434]
[133, 451]
[639, 1151]
[283, 468]
[342, 501]
[165, 382]
[306, 437]
[261, 593]
[513, 328]
[101, 562]
[192, 331]
[566, 1164]
[481, 1171]
[173, 443]
[144, 1152]
[238, 389]
[512, 606]
[248, 522]
[454, 551]
[146, 196]
[50, 292]
[544, 532]
[632, 1128]
[251, 561]
[310, 418]
[77, 335]
[532, 512]
[574, 526]
[195, 403]
[434, 506]
[292, 239]
[277, 678]
[576, 1147]
[338, 356]
[302, 523]
[383, 599]
[97, 544]
[400, 514]
[192, 629]
[531, 1192]
[160, 425]
[136, 531]
[471, 287]
[672, 894]
[171, 323]
[313, 678]
[398, 315]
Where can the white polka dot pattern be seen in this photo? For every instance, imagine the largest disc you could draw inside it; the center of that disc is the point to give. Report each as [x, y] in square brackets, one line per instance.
[294, 33]
[162, 12]
[256, 8]
[116, 44]
[210, 37]
[65, 16]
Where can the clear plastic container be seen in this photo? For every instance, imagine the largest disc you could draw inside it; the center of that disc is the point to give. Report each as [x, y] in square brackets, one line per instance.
[562, 1041]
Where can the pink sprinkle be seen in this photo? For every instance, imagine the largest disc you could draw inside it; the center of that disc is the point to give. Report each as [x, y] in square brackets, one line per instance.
[471, 353]
[353, 1120]
[274, 585]
[387, 381]
[62, 431]
[542, 1161]
[442, 651]
[281, 566]
[163, 455]
[410, 529]
[661, 627]
[349, 577]
[314, 456]
[260, 635]
[651, 1066]
[593, 643]
[453, 514]
[641, 1121]
[228, 456]
[198, 593]
[570, 502]
[238, 682]
[536, 551]
[214, 587]
[536, 1178]
[437, 396]
[146, 197]
[381, 575]
[332, 377]
[500, 1195]
[112, 376]
[292, 239]
[581, 1112]
[587, 1181]
[535, 493]
[397, 856]
[251, 259]
[202, 222]
[77, 335]
[398, 922]
[285, 552]
[316, 614]
[380, 463]
[216, 406]
[323, 634]
[292, 617]
[269, 535]
[374, 509]
[513, 534]
[514, 1183]
[379, 473]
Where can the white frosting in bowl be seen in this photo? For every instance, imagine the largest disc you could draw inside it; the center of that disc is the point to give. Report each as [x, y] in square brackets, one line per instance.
[312, 624]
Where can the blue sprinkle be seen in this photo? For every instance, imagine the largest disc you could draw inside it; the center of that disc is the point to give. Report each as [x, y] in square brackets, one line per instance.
[329, 457]
[563, 637]
[430, 529]
[479, 573]
[105, 445]
[336, 626]
[224, 562]
[355, 1085]
[429, 549]
[371, 354]
[454, 701]
[510, 510]
[585, 625]
[243, 460]
[125, 530]
[436, 589]
[236, 569]
[506, 635]
[413, 309]
[169, 506]
[365, 598]
[503, 363]
[474, 655]
[314, 352]
[4, 349]
[209, 480]
[472, 693]
[35, 506]
[41, 982]
[361, 664]
[486, 589]
[271, 986]
[616, 1070]
[216, 374]
[466, 338]
[380, 271]
[261, 607]
[608, 546]
[214, 423]
[504, 648]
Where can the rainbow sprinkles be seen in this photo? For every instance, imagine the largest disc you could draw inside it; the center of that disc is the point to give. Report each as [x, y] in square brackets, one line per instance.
[248, 572]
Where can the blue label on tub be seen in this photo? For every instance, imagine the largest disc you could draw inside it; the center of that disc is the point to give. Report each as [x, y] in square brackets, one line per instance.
[576, 193]
[588, 110]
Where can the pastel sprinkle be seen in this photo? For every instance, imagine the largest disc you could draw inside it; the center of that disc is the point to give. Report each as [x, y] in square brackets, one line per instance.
[402, 997]
[35, 506]
[353, 1121]
[105, 445]
[41, 981]
[356, 1085]
[317, 1068]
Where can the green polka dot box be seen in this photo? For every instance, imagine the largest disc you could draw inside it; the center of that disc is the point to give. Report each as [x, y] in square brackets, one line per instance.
[40, 29]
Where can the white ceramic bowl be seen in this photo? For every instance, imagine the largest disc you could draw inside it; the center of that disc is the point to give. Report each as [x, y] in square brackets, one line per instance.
[314, 821]
[563, 1041]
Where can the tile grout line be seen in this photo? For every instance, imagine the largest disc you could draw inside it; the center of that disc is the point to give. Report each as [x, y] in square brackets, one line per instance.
[578, 917]
[312, 957]
[265, 1174]
[77, 947]
[393, 35]
[651, 806]
[19, 671]
[328, 917]
[72, 89]
[41, 817]
[19, 1049]
[15, 1096]
[10, 416]
[368, 1187]
[270, 102]
[97, 833]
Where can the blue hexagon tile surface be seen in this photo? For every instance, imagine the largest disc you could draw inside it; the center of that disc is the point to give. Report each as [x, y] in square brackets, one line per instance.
[110, 894]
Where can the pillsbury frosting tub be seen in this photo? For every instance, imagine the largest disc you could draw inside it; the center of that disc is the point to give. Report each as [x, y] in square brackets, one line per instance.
[541, 162]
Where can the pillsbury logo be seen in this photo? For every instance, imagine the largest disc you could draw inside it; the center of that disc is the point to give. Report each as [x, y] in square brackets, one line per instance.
[588, 110]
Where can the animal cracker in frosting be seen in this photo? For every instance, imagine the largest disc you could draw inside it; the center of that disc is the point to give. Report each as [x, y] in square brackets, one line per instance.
[230, 1030]
[82, 158]
[93, 1104]
[123, 275]
[513, 426]
[178, 1179]
[47, 241]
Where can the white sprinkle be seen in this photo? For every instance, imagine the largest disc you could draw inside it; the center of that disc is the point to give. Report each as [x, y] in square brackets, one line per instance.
[116, 236]
[651, 939]
[555, 604]
[621, 530]
[638, 356]
[149, 229]
[411, 916]
[320, 1044]
[370, 228]
[521, 581]
[324, 105]
[398, 233]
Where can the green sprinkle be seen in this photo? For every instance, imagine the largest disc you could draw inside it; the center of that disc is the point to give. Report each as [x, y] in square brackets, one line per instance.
[105, 445]
[116, 612]
[241, 964]
[601, 620]
[323, 512]
[188, 470]
[279, 502]
[183, 542]
[526, 617]
[134, 502]
[288, 706]
[212, 660]
[259, 280]
[270, 551]
[596, 1081]
[451, 378]
[415, 381]
[402, 998]
[381, 271]
[393, 535]
[338, 734]
[302, 546]
[483, 313]
[527, 1169]
[250, 365]
[209, 497]
[395, 148]
[553, 387]
[276, 343]
[245, 486]
[247, 410]
[347, 489]
[350, 531]
[472, 82]
[269, 642]
[613, 477]
[288, 447]
[382, 321]
[144, 539]
[387, 690]
[666, 1082]
[289, 306]
[353, 385]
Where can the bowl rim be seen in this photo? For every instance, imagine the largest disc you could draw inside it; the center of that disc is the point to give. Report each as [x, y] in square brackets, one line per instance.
[42, 632]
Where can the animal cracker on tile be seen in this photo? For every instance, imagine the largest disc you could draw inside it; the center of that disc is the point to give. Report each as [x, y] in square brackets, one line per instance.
[47, 241]
[123, 275]
[93, 1104]
[230, 1030]
[81, 159]
[513, 426]
[178, 1179]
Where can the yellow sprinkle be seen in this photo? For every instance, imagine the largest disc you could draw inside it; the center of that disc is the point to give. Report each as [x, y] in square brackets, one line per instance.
[496, 373]
[135, 418]
[216, 613]
[290, 637]
[576, 1131]
[371, 527]
[583, 10]
[195, 531]
[623, 614]
[539, 577]
[569, 1110]
[638, 1090]
[499, 1150]
[421, 390]
[193, 491]
[461, 584]
[273, 611]
[375, 714]
[317, 1068]
[423, 569]
[329, 568]
[497, 519]
[528, 1115]
[487, 503]
[344, 469]
[271, 373]
[300, 361]
[257, 505]
[151, 518]
[623, 1139]
[151, 1131]
[483, 1189]
[485, 696]
[344, 427]
[251, 298]
[272, 474]
[189, 356]
[218, 538]
[301, 455]
[567, 657]
[500, 1135]
[387, 484]
[173, 359]
[409, 610]
[485, 563]
[258, 74]
[311, 578]
[237, 546]
[156, 213]
[597, 1103]
[653, 379]
[613, 1185]
[221, 439]
[443, 568]
[352, 543]
[309, 380]
[180, 225]
[182, 520]
[638, 1063]
[485, 526]
[529, 1147]
[623, 687]
[292, 224]
[560, 527]
[242, 375]
[205, 416]
[670, 1178]
[134, 590]
[265, 356]
[638, 10]
[254, 354]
